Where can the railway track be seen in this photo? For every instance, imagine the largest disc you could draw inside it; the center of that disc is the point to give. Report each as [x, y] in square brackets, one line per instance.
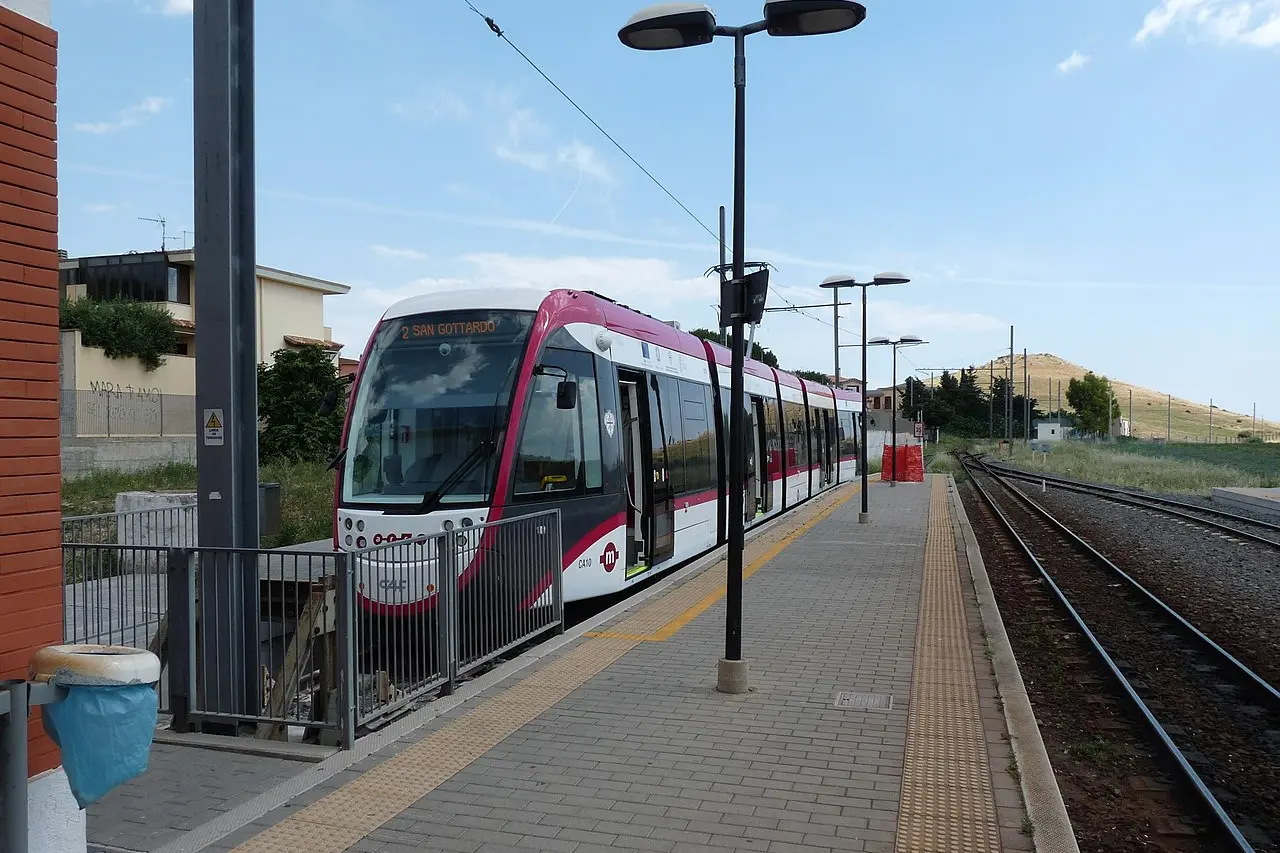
[1233, 524]
[1218, 721]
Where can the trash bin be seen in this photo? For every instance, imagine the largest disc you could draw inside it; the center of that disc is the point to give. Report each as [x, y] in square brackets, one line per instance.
[268, 509]
[104, 726]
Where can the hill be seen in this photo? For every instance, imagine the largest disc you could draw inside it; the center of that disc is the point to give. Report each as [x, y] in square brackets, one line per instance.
[1151, 408]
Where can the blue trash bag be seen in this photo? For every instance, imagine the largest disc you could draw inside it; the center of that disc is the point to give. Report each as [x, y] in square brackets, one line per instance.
[104, 734]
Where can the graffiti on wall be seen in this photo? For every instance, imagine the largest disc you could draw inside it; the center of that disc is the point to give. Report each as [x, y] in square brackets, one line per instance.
[112, 409]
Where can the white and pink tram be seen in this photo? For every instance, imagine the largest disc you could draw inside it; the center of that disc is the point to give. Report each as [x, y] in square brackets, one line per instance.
[480, 405]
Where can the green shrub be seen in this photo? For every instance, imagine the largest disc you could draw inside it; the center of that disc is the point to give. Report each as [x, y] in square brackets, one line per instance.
[123, 328]
[290, 392]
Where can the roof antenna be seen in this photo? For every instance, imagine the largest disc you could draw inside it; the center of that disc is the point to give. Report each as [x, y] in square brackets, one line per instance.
[164, 234]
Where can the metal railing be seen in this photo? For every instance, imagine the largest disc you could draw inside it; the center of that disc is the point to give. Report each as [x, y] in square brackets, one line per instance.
[298, 643]
[435, 609]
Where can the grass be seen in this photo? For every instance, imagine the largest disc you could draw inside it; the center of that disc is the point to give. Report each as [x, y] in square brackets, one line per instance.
[1188, 468]
[1152, 411]
[1095, 749]
[306, 495]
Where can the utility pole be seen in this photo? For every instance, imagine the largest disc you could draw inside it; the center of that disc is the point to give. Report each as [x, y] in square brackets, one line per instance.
[1111, 403]
[1211, 420]
[1026, 398]
[1168, 432]
[991, 402]
[724, 273]
[1008, 393]
[1255, 419]
[226, 367]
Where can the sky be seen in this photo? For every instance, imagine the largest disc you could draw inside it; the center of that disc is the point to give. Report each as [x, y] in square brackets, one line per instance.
[1100, 174]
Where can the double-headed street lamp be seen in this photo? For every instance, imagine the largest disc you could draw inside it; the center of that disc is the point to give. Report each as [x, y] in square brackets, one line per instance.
[834, 283]
[675, 25]
[904, 341]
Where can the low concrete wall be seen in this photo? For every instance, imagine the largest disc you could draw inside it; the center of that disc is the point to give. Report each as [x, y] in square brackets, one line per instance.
[155, 520]
[81, 456]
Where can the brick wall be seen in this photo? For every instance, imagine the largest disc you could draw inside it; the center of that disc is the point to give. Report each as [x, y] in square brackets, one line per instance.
[30, 555]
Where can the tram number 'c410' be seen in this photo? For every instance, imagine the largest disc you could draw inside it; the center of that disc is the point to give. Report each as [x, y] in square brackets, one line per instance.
[393, 586]
[584, 562]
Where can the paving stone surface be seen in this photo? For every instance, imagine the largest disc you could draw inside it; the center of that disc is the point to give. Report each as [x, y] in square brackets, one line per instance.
[646, 755]
[183, 788]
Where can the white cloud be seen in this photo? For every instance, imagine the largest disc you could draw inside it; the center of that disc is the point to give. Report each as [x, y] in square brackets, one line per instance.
[535, 160]
[891, 317]
[130, 116]
[586, 160]
[651, 285]
[398, 254]
[646, 283]
[1249, 22]
[99, 208]
[1074, 62]
[434, 105]
[179, 7]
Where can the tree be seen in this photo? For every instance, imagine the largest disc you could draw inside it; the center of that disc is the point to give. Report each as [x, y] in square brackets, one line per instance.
[1094, 406]
[813, 376]
[290, 392]
[758, 352]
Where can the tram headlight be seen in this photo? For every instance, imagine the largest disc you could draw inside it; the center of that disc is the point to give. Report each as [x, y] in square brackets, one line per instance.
[467, 522]
[360, 525]
[448, 525]
[361, 542]
[348, 526]
[348, 536]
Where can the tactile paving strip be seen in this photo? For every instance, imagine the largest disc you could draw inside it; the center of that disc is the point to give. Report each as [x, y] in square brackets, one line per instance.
[947, 801]
[344, 817]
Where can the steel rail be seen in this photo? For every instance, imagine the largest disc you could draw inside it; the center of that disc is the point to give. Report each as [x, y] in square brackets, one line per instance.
[1164, 505]
[1195, 632]
[1161, 734]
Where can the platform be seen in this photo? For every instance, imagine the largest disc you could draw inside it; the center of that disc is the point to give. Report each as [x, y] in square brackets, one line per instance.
[873, 725]
[1266, 500]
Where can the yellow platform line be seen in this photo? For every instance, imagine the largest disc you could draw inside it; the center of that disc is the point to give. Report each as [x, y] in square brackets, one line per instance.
[947, 799]
[661, 620]
[345, 816]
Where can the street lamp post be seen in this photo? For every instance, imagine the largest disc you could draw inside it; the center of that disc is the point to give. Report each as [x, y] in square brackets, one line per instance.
[675, 25]
[834, 283]
[904, 341]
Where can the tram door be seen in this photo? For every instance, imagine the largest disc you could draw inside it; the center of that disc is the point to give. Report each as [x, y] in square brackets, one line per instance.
[662, 500]
[829, 439]
[650, 504]
[760, 497]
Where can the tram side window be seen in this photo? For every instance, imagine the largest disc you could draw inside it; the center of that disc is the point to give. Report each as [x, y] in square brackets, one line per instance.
[797, 437]
[560, 450]
[677, 452]
[848, 437]
[699, 449]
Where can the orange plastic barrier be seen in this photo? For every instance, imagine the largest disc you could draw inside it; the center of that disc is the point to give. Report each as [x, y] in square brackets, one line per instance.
[909, 467]
[886, 465]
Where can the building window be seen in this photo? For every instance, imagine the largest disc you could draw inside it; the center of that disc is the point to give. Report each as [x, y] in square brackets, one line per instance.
[173, 284]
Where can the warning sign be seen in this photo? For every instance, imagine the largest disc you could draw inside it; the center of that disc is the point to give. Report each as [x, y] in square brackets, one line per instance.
[213, 427]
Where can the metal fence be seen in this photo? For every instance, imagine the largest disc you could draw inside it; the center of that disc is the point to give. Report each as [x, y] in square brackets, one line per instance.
[118, 412]
[298, 643]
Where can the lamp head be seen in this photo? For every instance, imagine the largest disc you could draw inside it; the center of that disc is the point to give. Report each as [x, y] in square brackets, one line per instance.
[832, 282]
[879, 342]
[669, 25]
[890, 278]
[811, 17]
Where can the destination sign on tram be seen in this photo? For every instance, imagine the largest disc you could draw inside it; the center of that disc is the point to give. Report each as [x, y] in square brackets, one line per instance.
[447, 329]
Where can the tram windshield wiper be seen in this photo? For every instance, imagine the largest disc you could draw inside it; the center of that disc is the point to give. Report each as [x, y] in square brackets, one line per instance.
[432, 498]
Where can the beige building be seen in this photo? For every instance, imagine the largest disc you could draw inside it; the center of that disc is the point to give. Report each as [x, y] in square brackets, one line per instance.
[119, 398]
